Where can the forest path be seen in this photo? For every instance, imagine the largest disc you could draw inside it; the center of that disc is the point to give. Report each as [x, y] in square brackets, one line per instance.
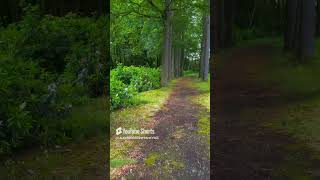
[181, 152]
[245, 149]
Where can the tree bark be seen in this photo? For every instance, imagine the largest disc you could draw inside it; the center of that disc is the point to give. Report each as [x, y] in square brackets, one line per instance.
[291, 27]
[300, 29]
[308, 25]
[222, 26]
[166, 45]
[205, 53]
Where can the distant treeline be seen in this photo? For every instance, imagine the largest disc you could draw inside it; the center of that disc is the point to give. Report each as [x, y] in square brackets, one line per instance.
[11, 10]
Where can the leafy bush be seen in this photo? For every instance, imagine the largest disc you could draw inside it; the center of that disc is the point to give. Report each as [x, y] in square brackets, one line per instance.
[121, 94]
[127, 80]
[47, 66]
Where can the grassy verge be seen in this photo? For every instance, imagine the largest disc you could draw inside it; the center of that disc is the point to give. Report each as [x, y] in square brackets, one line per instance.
[300, 120]
[298, 83]
[203, 99]
[298, 115]
[74, 160]
[147, 103]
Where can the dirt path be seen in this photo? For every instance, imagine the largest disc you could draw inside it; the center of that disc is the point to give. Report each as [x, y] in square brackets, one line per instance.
[181, 152]
[243, 148]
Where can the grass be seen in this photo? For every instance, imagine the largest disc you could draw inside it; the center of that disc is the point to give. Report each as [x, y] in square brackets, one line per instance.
[300, 120]
[299, 113]
[203, 99]
[299, 86]
[298, 83]
[296, 80]
[73, 159]
[204, 89]
[120, 162]
[135, 117]
[89, 120]
[151, 159]
[146, 104]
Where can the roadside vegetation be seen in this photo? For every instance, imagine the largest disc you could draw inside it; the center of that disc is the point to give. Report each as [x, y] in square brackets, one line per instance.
[49, 66]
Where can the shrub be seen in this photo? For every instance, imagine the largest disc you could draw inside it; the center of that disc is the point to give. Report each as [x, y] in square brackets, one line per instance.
[121, 94]
[127, 80]
[47, 65]
[21, 87]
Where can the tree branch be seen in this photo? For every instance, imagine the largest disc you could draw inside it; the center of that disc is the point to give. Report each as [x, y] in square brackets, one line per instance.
[154, 6]
[137, 13]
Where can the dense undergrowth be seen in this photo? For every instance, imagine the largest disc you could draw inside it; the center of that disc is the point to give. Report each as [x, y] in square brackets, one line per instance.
[48, 65]
[127, 81]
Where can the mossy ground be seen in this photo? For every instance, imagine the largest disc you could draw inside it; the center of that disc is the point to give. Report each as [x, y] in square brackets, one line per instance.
[146, 104]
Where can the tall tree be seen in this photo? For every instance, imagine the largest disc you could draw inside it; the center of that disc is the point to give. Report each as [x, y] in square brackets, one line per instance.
[166, 56]
[205, 51]
[308, 26]
[223, 23]
[301, 25]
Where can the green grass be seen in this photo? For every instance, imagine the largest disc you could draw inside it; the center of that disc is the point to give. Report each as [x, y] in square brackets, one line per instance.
[79, 161]
[204, 93]
[300, 120]
[147, 103]
[203, 99]
[114, 163]
[298, 114]
[86, 121]
[296, 80]
[204, 125]
[151, 159]
[90, 119]
[298, 84]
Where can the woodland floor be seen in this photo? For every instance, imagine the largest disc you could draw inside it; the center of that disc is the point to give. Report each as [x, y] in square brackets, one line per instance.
[181, 152]
[244, 146]
[80, 158]
[81, 161]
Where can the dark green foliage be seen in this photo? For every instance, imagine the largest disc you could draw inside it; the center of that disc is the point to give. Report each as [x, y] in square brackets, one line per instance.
[126, 81]
[47, 66]
[121, 94]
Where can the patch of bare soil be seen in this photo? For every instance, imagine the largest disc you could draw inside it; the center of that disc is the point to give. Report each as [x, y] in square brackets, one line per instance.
[243, 149]
[180, 152]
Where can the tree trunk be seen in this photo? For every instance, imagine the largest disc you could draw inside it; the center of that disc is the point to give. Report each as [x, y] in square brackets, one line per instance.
[166, 46]
[205, 53]
[318, 19]
[308, 28]
[182, 62]
[291, 27]
[222, 26]
[300, 30]
[229, 19]
[207, 49]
